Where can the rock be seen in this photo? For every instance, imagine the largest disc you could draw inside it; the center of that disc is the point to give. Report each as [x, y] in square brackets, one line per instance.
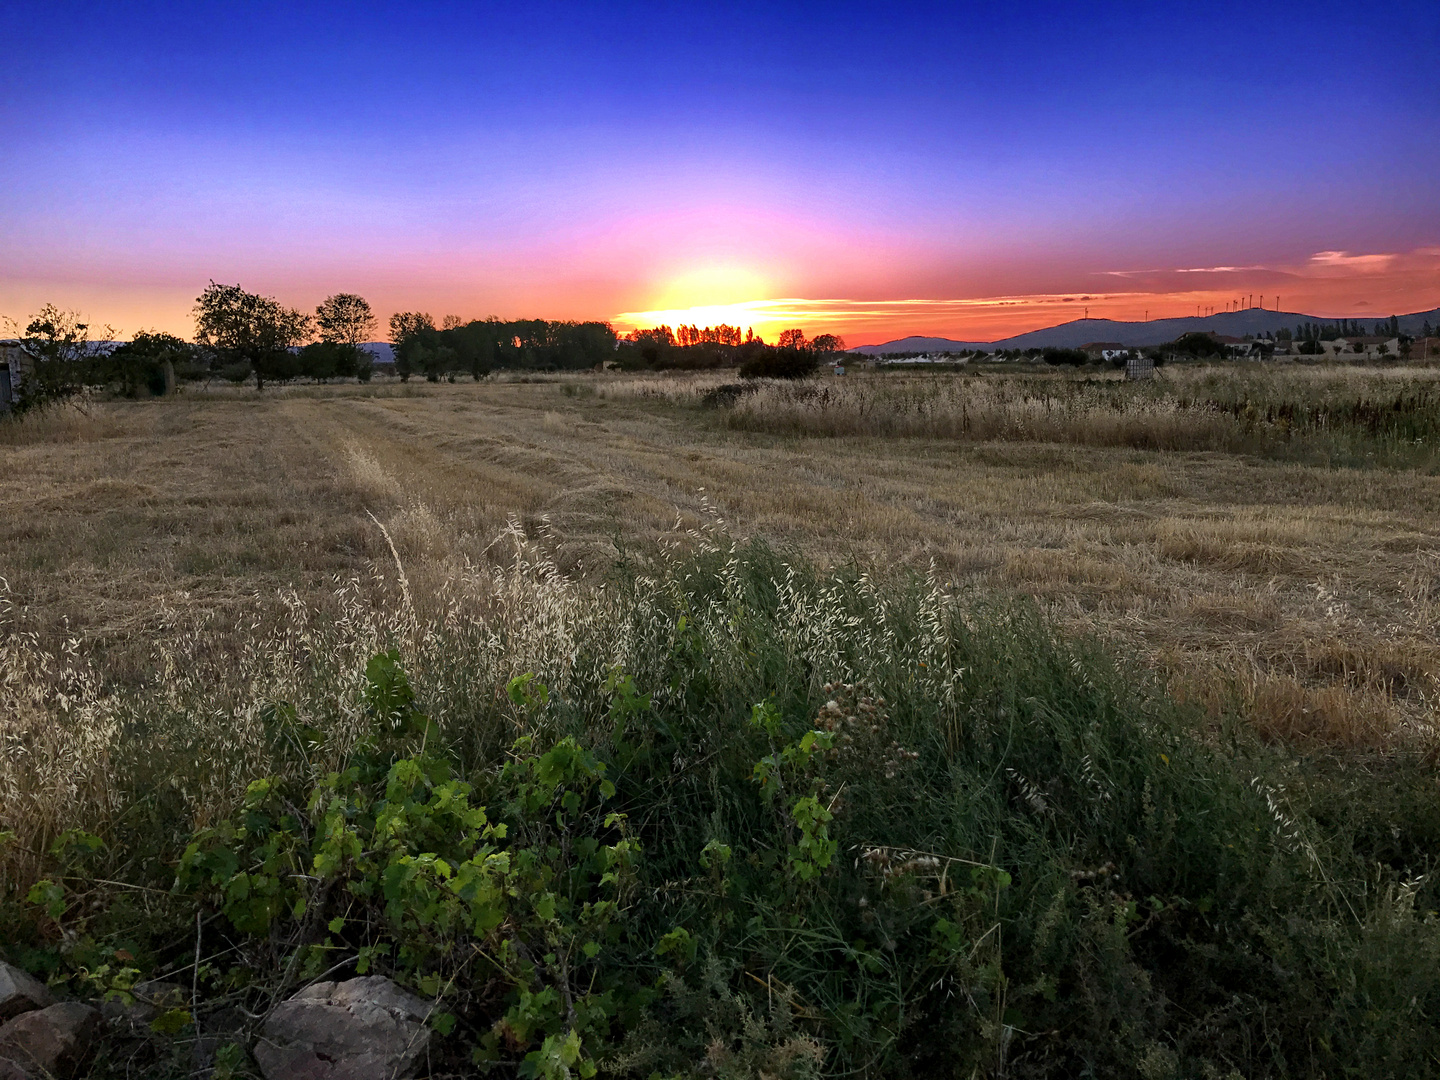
[53, 1041]
[360, 1029]
[21, 992]
[219, 1028]
[10, 1071]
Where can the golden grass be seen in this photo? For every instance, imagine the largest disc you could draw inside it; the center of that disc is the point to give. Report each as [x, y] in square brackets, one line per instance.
[1304, 596]
[1197, 408]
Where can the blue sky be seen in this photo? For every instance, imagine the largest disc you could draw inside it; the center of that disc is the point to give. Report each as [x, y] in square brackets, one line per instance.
[588, 161]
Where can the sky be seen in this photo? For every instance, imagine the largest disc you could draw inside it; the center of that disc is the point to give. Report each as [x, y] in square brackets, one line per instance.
[965, 170]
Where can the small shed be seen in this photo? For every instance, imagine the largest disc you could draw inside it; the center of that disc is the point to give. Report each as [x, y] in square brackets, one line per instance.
[16, 364]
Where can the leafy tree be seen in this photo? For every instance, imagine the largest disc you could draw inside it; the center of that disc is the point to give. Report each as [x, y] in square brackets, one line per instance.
[345, 322]
[412, 335]
[792, 339]
[781, 363]
[65, 358]
[325, 360]
[145, 359]
[1197, 343]
[345, 318]
[828, 343]
[240, 327]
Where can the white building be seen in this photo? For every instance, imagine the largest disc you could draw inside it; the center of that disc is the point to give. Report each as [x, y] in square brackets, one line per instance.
[16, 364]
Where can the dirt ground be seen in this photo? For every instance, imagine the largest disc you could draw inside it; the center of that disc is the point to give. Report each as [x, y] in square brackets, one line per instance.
[1306, 598]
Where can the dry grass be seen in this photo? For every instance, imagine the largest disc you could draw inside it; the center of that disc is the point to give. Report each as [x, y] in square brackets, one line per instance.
[1304, 596]
[1296, 413]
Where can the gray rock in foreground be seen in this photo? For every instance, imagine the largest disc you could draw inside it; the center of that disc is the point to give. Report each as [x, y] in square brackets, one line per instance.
[20, 992]
[360, 1029]
[53, 1041]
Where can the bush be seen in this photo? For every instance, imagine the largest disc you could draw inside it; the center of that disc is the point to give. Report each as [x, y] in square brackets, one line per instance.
[325, 360]
[787, 363]
[735, 816]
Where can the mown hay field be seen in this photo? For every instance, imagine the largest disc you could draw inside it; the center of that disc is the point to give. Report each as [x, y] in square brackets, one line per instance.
[1011, 723]
[1284, 569]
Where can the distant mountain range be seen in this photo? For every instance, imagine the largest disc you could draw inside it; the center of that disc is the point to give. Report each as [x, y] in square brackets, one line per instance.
[1071, 335]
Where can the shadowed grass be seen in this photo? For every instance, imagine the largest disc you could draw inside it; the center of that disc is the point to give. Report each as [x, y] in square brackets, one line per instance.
[1042, 865]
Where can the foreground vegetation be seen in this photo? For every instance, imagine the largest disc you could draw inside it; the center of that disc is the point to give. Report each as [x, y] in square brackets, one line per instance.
[729, 815]
[266, 658]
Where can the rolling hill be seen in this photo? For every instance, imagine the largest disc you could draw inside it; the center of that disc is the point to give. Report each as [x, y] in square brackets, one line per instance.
[1070, 335]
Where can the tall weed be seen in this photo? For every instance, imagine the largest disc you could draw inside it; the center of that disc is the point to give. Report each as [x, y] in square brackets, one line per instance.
[789, 823]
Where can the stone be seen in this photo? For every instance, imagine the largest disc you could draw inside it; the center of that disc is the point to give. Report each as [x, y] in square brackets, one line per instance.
[21, 992]
[53, 1041]
[359, 1029]
[10, 1071]
[219, 1028]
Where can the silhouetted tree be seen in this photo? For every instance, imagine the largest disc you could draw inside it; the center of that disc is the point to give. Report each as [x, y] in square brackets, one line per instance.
[346, 319]
[240, 327]
[781, 363]
[65, 357]
[1196, 343]
[345, 322]
[145, 361]
[412, 335]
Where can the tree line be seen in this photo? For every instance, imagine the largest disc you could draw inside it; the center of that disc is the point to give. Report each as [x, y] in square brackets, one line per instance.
[480, 346]
[238, 335]
[691, 348]
[1347, 328]
[242, 335]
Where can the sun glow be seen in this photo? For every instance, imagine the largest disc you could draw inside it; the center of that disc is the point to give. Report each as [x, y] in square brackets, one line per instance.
[751, 314]
[871, 317]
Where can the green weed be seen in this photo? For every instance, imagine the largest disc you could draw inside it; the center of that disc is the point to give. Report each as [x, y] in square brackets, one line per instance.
[734, 817]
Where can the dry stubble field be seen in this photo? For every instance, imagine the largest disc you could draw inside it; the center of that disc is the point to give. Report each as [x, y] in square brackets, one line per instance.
[1302, 596]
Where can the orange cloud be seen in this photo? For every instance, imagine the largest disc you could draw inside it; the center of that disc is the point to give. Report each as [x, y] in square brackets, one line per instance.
[1330, 284]
[1343, 260]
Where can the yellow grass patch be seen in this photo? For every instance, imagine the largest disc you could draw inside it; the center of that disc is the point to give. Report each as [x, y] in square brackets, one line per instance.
[1305, 595]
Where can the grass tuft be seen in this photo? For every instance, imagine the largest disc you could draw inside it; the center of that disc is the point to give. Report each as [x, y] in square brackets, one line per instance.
[868, 825]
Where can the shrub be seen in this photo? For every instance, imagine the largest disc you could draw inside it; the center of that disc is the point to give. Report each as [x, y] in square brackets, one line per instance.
[787, 363]
[737, 814]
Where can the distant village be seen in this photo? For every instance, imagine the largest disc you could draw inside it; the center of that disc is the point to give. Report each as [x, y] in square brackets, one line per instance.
[1194, 346]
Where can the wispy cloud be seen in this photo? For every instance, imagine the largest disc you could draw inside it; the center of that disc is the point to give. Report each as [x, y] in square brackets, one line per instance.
[1343, 260]
[1320, 262]
[1183, 270]
[1328, 284]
